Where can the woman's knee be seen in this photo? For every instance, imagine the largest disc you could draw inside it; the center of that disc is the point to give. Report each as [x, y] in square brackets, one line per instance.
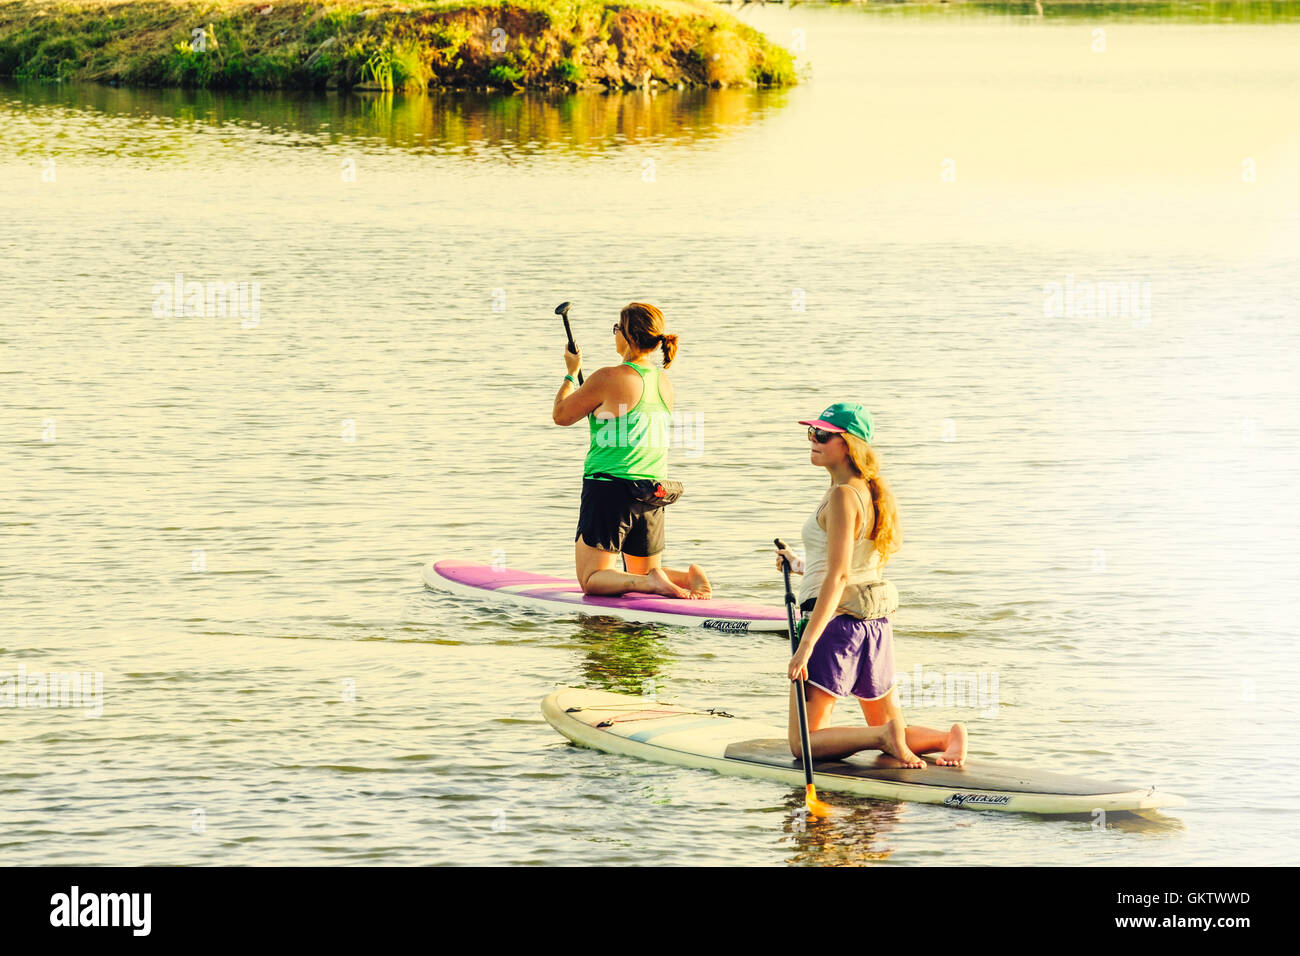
[585, 578]
[589, 561]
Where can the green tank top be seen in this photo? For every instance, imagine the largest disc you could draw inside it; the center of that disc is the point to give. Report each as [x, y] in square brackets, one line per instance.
[634, 445]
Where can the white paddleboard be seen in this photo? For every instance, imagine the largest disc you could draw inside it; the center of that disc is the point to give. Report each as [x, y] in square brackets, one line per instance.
[564, 596]
[639, 727]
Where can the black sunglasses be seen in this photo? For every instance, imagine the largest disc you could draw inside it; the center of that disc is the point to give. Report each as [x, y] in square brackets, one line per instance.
[819, 436]
[619, 328]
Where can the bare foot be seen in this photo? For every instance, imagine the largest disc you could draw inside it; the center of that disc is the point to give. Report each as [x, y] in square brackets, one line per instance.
[886, 762]
[956, 752]
[657, 582]
[699, 586]
[895, 744]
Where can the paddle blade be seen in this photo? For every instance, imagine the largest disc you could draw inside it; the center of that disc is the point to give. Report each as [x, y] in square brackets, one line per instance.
[815, 807]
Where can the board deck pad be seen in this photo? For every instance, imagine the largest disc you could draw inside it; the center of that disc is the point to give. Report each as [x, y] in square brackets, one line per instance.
[565, 595]
[973, 774]
[714, 740]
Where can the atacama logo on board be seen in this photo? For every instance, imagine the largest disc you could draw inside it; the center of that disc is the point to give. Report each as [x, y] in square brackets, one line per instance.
[969, 799]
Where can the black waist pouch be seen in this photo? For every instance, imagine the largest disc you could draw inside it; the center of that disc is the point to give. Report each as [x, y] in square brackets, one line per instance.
[647, 491]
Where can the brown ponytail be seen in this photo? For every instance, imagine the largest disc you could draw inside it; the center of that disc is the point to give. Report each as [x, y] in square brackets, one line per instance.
[643, 325]
[668, 342]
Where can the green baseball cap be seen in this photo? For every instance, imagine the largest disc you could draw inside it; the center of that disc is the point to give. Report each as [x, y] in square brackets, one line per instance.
[845, 417]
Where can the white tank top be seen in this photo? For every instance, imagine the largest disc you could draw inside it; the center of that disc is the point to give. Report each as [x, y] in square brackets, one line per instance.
[864, 567]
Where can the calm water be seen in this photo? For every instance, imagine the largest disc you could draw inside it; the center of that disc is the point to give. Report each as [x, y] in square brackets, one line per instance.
[226, 515]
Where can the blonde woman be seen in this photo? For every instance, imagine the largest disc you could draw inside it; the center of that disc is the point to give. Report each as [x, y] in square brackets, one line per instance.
[848, 540]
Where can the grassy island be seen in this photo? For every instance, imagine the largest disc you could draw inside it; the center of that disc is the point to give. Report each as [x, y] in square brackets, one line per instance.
[511, 44]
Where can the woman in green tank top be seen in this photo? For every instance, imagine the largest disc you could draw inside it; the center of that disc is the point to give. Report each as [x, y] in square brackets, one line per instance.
[628, 408]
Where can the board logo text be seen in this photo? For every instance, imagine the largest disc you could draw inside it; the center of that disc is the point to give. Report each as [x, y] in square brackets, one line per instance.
[726, 625]
[969, 799]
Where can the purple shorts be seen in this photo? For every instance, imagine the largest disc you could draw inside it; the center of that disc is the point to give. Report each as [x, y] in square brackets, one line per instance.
[854, 658]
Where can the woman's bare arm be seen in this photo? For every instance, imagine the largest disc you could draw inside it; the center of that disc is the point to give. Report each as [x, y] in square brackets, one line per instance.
[575, 404]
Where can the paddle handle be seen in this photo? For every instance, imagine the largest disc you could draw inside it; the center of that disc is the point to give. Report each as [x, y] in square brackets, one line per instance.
[799, 686]
[789, 594]
[569, 334]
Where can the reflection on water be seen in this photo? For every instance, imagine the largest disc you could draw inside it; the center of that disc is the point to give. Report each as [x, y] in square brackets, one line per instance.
[855, 834]
[622, 657]
[1144, 821]
[858, 830]
[507, 127]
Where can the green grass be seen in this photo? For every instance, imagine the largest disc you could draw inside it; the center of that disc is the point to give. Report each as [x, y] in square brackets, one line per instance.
[386, 45]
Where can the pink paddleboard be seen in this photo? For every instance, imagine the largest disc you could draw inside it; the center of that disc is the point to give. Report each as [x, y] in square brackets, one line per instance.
[563, 595]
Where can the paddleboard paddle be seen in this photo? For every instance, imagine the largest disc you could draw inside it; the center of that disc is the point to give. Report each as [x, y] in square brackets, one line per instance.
[815, 807]
[562, 310]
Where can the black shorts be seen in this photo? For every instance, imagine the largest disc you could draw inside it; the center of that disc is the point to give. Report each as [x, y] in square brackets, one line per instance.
[609, 519]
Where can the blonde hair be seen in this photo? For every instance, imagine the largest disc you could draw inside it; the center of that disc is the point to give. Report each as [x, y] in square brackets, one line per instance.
[866, 462]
